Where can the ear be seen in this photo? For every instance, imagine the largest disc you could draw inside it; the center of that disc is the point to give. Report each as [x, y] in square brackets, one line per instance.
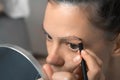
[117, 45]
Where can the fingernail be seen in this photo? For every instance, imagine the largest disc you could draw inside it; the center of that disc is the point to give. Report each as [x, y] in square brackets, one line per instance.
[76, 59]
[83, 52]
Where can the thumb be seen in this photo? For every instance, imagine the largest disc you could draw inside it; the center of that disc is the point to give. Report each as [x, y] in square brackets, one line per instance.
[48, 71]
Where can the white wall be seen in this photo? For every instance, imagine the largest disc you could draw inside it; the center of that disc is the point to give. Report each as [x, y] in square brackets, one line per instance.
[34, 22]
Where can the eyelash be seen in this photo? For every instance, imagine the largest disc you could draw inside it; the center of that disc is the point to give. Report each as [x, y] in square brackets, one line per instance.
[73, 47]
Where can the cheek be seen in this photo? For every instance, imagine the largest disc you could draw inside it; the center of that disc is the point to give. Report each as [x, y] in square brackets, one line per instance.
[103, 52]
[70, 64]
[72, 59]
[102, 49]
[105, 55]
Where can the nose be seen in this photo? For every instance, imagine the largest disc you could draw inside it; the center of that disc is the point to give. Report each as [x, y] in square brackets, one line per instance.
[54, 56]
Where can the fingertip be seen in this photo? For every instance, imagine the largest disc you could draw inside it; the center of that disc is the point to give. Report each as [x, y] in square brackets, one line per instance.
[40, 79]
[83, 52]
[45, 66]
[48, 70]
[84, 55]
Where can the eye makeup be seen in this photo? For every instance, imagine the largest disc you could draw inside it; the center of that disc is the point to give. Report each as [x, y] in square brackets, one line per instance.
[74, 47]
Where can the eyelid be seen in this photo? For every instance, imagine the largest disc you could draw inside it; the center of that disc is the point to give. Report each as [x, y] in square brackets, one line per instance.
[48, 36]
[72, 46]
[44, 30]
[46, 33]
[68, 42]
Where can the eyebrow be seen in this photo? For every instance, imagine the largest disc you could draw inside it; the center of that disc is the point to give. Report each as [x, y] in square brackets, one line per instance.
[67, 38]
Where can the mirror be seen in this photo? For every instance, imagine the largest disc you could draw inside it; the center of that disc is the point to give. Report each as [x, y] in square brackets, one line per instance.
[18, 64]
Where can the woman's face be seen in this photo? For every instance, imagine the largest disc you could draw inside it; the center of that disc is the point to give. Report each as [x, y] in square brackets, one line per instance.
[66, 26]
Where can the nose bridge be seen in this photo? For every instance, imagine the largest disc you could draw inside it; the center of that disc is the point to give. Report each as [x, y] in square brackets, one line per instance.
[55, 48]
[54, 57]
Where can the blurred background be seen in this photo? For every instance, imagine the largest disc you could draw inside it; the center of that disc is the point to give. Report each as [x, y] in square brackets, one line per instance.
[34, 22]
[20, 24]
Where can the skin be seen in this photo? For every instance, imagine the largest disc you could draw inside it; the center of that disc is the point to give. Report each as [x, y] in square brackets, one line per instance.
[65, 25]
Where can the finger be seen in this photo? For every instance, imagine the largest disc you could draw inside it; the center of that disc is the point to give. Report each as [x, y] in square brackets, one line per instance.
[99, 61]
[48, 71]
[63, 76]
[78, 71]
[41, 79]
[91, 62]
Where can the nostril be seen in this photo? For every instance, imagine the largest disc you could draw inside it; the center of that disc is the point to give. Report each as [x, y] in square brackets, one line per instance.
[54, 60]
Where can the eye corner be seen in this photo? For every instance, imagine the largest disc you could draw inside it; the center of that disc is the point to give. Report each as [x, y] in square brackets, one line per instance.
[74, 47]
[48, 37]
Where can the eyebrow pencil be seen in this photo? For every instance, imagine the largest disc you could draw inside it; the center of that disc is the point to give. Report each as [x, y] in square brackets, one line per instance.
[83, 64]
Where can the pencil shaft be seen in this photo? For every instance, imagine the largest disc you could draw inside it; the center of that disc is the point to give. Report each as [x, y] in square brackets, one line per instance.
[84, 71]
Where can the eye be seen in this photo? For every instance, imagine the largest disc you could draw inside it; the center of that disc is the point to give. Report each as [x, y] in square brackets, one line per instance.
[73, 47]
[48, 37]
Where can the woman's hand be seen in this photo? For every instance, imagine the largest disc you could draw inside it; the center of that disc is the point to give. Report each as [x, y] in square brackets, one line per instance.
[94, 65]
[59, 75]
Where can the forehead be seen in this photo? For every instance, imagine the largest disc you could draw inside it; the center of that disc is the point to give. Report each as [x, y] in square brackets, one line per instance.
[66, 20]
[65, 11]
[64, 17]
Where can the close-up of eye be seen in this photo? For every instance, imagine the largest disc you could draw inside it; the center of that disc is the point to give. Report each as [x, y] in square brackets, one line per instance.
[73, 47]
[48, 37]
